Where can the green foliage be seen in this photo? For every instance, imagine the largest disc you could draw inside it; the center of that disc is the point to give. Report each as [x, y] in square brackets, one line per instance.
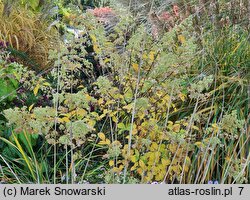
[8, 83]
[19, 151]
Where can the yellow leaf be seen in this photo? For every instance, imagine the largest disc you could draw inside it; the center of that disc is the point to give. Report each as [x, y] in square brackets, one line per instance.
[172, 148]
[127, 137]
[68, 114]
[114, 119]
[128, 107]
[32, 116]
[106, 60]
[36, 89]
[116, 170]
[30, 108]
[105, 111]
[134, 166]
[176, 169]
[165, 162]
[188, 161]
[186, 168]
[102, 143]
[91, 123]
[170, 122]
[160, 176]
[100, 101]
[102, 116]
[228, 159]
[121, 167]
[149, 176]
[111, 163]
[175, 161]
[151, 157]
[159, 93]
[134, 131]
[182, 96]
[198, 144]
[151, 56]
[133, 159]
[142, 164]
[154, 146]
[46, 84]
[173, 105]
[65, 119]
[93, 38]
[181, 39]
[81, 112]
[157, 156]
[107, 141]
[88, 97]
[60, 120]
[135, 67]
[140, 171]
[195, 128]
[176, 128]
[96, 48]
[101, 136]
[215, 127]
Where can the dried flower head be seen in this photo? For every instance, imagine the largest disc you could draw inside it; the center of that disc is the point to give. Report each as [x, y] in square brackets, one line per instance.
[176, 10]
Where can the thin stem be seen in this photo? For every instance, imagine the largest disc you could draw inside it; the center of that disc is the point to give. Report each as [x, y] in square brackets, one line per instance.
[134, 109]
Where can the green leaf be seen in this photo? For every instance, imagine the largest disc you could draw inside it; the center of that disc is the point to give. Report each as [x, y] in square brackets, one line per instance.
[33, 4]
[121, 125]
